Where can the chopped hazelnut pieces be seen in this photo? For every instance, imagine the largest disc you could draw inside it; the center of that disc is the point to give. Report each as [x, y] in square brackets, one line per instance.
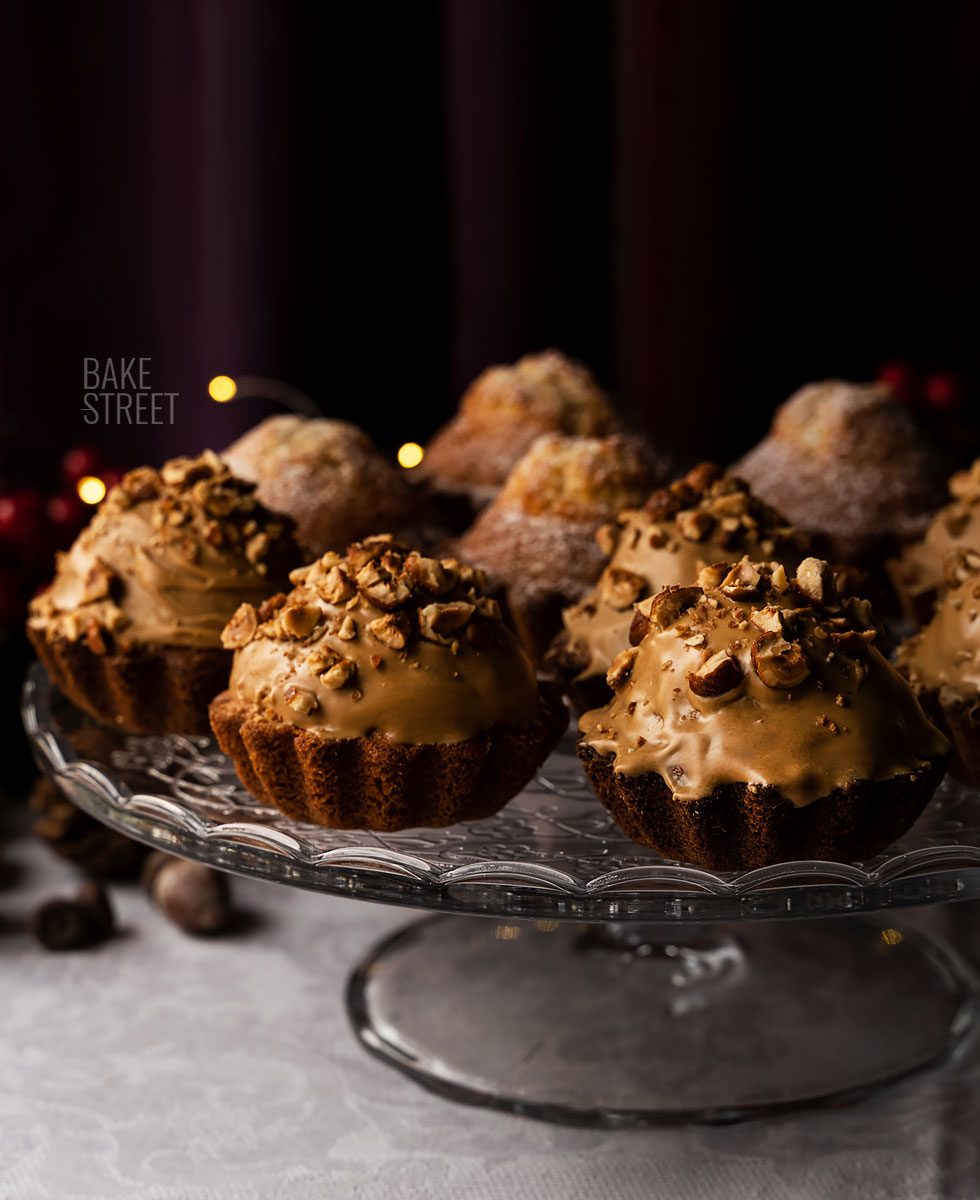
[769, 619]
[299, 620]
[815, 580]
[720, 674]
[959, 565]
[241, 628]
[664, 608]
[270, 606]
[441, 622]
[712, 575]
[98, 583]
[429, 574]
[347, 630]
[607, 537]
[731, 504]
[620, 588]
[639, 626]
[853, 642]
[694, 524]
[339, 674]
[142, 484]
[487, 607]
[336, 587]
[778, 663]
[299, 699]
[622, 667]
[390, 630]
[256, 547]
[320, 659]
[742, 581]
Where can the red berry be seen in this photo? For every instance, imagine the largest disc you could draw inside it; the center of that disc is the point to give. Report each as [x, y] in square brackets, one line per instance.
[21, 517]
[944, 391]
[67, 515]
[903, 380]
[79, 461]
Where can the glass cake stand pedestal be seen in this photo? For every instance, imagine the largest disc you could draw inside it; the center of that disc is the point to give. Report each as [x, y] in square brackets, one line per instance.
[570, 974]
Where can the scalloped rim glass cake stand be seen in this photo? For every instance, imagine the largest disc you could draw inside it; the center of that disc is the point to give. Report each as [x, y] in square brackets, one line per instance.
[570, 974]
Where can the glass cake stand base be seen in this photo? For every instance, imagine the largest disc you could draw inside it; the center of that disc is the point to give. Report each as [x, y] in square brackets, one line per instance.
[620, 1025]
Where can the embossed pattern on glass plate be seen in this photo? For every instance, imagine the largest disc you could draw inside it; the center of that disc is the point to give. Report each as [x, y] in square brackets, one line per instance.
[551, 852]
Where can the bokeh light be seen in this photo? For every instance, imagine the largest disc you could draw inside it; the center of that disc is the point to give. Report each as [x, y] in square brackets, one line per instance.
[91, 489]
[410, 455]
[222, 388]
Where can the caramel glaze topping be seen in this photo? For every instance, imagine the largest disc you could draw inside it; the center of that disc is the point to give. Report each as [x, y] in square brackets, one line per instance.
[754, 677]
[945, 654]
[383, 639]
[167, 558]
[920, 570]
[703, 518]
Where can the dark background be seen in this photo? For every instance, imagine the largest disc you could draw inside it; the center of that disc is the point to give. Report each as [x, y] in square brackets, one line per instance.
[709, 202]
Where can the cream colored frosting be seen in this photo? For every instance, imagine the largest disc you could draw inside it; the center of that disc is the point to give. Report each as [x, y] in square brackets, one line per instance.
[850, 718]
[720, 520]
[168, 563]
[319, 659]
[919, 571]
[945, 655]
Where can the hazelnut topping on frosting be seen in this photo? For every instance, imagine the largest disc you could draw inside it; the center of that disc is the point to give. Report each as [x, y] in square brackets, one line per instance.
[919, 574]
[697, 520]
[165, 560]
[383, 639]
[945, 655]
[759, 677]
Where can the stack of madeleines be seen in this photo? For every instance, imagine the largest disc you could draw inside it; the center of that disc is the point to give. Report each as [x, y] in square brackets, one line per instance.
[385, 649]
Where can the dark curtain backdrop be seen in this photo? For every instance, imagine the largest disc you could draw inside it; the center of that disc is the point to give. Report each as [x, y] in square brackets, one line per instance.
[709, 202]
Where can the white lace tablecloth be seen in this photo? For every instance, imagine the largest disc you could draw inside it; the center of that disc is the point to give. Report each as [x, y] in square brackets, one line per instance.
[160, 1067]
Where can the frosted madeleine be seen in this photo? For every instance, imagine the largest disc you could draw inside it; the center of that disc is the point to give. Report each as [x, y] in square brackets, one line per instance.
[751, 696]
[942, 661]
[919, 574]
[704, 518]
[130, 628]
[383, 691]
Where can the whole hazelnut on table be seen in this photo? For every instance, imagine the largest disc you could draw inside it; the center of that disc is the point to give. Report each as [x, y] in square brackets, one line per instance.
[77, 923]
[193, 896]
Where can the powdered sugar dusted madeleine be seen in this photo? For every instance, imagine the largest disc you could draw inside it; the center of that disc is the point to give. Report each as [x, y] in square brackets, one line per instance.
[847, 461]
[502, 412]
[536, 541]
[327, 475]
